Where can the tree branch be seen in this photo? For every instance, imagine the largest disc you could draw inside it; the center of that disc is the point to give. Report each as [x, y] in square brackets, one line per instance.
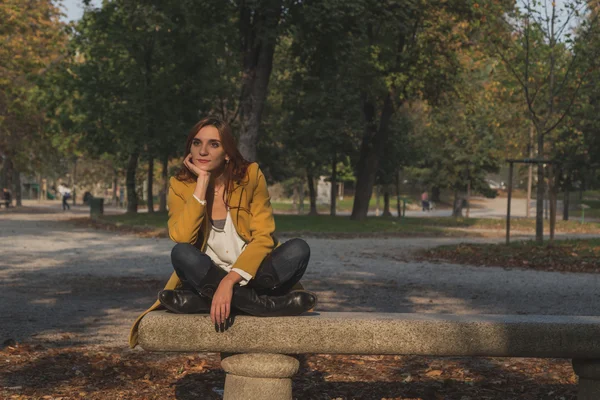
[568, 109]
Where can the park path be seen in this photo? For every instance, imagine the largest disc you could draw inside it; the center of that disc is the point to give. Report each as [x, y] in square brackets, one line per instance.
[69, 285]
[481, 208]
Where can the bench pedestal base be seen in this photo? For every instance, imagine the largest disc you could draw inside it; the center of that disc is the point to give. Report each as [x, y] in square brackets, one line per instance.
[589, 379]
[257, 376]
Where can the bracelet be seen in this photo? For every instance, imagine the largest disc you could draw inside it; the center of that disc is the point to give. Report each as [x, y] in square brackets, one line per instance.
[203, 202]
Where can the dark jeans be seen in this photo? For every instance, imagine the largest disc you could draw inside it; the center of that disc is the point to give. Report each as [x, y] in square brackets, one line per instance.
[277, 274]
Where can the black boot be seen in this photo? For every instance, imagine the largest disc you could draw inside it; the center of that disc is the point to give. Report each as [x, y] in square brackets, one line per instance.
[293, 303]
[246, 299]
[184, 301]
[209, 284]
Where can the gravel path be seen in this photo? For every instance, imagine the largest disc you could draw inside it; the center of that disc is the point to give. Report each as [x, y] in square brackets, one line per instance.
[72, 285]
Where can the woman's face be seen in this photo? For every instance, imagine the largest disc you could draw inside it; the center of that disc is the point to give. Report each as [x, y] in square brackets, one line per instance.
[207, 151]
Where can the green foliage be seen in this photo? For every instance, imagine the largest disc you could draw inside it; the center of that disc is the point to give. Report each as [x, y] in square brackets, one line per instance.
[551, 64]
[460, 140]
[422, 85]
[139, 76]
[32, 40]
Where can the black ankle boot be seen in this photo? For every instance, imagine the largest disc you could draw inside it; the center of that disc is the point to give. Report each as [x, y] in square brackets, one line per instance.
[246, 299]
[209, 284]
[184, 301]
[293, 303]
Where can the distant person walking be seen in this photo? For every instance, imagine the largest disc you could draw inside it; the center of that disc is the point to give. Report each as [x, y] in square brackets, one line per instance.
[425, 201]
[6, 197]
[65, 205]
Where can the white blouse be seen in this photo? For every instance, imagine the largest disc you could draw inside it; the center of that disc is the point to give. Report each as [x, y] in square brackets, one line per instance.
[224, 246]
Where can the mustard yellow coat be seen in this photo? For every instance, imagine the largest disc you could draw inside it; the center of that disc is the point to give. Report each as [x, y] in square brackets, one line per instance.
[252, 215]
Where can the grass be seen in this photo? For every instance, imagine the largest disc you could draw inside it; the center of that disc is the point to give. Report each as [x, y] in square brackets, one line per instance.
[321, 224]
[589, 213]
[592, 212]
[340, 226]
[595, 204]
[581, 255]
[325, 224]
[149, 220]
[343, 205]
[516, 224]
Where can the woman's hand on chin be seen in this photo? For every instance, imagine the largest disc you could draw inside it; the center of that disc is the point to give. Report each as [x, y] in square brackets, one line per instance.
[196, 170]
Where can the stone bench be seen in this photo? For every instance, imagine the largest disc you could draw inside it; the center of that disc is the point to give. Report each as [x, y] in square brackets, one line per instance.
[261, 368]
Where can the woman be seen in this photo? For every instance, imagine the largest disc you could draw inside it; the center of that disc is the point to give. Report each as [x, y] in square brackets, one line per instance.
[226, 254]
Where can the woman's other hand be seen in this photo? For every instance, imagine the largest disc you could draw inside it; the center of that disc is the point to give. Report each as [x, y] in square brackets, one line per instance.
[221, 303]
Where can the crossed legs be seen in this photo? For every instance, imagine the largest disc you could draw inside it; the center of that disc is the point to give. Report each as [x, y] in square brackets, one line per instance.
[268, 294]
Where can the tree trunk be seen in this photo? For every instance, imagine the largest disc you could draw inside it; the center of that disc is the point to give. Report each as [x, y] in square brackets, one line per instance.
[165, 184]
[377, 199]
[546, 203]
[312, 194]
[300, 189]
[44, 189]
[435, 194]
[553, 179]
[115, 184]
[74, 191]
[333, 184]
[17, 188]
[386, 201]
[371, 151]
[150, 185]
[258, 34]
[4, 176]
[530, 172]
[295, 197]
[469, 199]
[539, 204]
[7, 175]
[398, 206]
[132, 201]
[566, 199]
[529, 185]
[458, 205]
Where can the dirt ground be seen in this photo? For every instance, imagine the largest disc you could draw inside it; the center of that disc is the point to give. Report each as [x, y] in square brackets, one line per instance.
[69, 295]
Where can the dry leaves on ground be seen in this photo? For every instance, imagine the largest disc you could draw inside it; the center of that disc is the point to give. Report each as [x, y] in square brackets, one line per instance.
[142, 231]
[39, 372]
[563, 256]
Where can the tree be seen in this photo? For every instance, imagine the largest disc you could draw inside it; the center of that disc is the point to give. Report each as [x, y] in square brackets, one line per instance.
[140, 76]
[32, 40]
[259, 30]
[404, 53]
[543, 58]
[311, 118]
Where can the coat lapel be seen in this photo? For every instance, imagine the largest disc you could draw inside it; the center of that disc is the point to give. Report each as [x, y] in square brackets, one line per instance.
[233, 199]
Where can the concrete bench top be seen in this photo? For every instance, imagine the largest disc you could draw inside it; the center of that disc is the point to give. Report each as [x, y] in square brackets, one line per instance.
[379, 333]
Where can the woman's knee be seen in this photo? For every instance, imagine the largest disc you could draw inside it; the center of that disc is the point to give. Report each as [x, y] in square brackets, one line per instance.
[298, 248]
[185, 255]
